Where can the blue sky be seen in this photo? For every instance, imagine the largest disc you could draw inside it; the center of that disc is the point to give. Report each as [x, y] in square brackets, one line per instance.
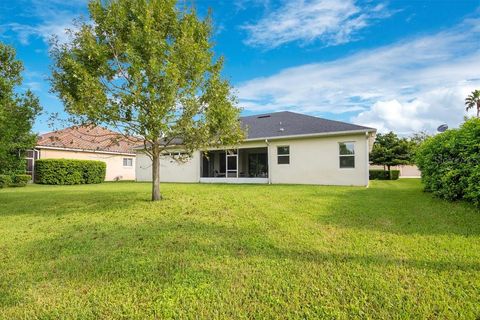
[394, 65]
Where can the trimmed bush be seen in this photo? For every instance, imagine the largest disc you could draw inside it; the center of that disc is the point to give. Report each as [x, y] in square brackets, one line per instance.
[94, 173]
[450, 163]
[20, 180]
[395, 174]
[384, 174]
[69, 171]
[379, 175]
[5, 180]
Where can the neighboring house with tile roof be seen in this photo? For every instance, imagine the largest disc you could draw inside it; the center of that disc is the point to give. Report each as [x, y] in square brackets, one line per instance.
[88, 143]
[280, 147]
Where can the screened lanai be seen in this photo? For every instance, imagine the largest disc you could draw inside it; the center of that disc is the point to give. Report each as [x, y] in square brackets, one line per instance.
[235, 165]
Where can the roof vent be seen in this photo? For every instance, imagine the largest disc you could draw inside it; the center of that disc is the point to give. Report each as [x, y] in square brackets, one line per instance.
[281, 129]
[265, 116]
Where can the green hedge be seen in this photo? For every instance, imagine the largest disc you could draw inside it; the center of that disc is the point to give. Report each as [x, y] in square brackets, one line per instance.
[16, 180]
[5, 180]
[68, 171]
[20, 180]
[450, 163]
[384, 174]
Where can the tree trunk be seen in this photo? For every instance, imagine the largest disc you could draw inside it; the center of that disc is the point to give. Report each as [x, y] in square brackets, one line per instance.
[156, 176]
[478, 109]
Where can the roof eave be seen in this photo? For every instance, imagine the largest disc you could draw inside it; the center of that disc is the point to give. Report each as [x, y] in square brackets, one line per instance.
[313, 135]
[85, 150]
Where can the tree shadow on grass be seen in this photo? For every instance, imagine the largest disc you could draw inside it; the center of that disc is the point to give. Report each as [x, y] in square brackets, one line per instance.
[114, 251]
[170, 251]
[64, 200]
[43, 200]
[189, 253]
[397, 209]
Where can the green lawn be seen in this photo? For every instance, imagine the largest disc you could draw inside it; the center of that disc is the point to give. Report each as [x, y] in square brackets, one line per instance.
[237, 252]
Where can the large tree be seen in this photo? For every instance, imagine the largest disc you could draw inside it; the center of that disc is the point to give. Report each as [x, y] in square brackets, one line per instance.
[18, 110]
[473, 101]
[147, 68]
[390, 150]
[415, 142]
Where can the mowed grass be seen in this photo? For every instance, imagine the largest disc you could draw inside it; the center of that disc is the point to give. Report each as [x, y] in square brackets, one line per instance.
[237, 252]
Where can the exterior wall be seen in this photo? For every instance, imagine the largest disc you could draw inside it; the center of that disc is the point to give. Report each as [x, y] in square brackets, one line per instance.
[170, 170]
[312, 161]
[143, 168]
[406, 171]
[410, 172]
[316, 161]
[115, 168]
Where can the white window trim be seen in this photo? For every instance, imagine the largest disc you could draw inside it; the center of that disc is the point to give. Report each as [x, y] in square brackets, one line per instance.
[126, 166]
[283, 155]
[347, 155]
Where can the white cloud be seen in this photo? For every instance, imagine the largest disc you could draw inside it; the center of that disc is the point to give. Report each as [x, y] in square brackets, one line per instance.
[34, 85]
[244, 4]
[51, 18]
[408, 86]
[425, 113]
[331, 21]
[54, 28]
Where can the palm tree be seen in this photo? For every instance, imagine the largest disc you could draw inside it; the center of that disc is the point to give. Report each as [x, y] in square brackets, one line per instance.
[473, 100]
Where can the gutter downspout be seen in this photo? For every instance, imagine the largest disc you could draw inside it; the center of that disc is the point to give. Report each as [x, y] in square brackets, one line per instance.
[367, 156]
[268, 161]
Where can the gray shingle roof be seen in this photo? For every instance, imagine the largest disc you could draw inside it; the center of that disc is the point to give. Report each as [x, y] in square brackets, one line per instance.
[288, 123]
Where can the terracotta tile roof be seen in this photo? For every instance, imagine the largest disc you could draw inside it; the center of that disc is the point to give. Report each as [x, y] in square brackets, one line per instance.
[93, 138]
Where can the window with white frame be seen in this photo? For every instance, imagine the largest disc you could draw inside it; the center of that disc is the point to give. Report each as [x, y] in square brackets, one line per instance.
[283, 154]
[347, 154]
[127, 162]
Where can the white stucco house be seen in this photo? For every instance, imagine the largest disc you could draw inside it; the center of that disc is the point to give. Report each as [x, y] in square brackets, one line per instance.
[281, 147]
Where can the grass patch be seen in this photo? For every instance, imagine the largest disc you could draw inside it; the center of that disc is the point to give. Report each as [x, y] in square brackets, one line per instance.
[237, 251]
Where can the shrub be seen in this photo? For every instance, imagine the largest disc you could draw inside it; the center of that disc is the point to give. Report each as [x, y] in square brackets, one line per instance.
[20, 180]
[384, 174]
[5, 180]
[379, 175]
[472, 191]
[395, 174]
[94, 172]
[68, 171]
[450, 163]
